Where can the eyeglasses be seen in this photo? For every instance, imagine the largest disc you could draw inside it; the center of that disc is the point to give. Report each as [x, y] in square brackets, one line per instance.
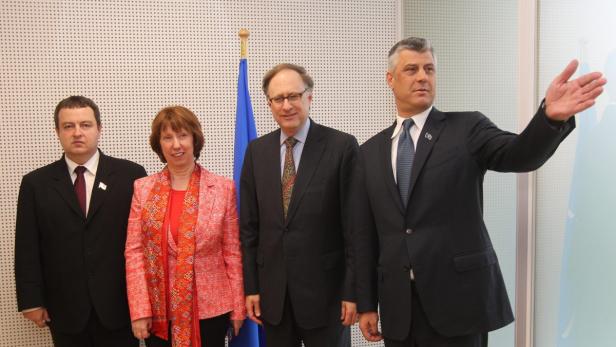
[293, 97]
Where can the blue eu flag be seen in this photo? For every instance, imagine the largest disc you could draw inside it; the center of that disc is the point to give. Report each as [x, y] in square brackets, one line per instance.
[251, 334]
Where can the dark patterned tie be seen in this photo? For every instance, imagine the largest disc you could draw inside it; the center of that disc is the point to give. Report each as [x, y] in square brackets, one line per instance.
[288, 174]
[404, 161]
[80, 188]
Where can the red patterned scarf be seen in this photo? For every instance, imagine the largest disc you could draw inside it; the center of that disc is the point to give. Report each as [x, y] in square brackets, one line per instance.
[182, 301]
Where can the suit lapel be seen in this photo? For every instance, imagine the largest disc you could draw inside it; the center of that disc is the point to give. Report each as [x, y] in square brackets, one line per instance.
[428, 137]
[103, 183]
[269, 158]
[64, 186]
[311, 155]
[388, 173]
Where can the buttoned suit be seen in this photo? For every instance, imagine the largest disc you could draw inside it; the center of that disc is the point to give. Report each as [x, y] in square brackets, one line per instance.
[66, 261]
[307, 256]
[441, 234]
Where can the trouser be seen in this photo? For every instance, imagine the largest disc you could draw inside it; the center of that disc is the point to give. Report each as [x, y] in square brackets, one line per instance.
[423, 335]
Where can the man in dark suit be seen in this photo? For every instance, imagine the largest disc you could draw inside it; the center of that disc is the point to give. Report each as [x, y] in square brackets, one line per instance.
[294, 220]
[424, 254]
[70, 235]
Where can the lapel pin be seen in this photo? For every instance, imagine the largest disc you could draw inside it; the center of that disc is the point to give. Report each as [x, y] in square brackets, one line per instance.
[428, 136]
[102, 186]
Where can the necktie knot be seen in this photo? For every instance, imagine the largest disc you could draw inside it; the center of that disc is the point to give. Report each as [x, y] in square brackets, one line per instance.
[80, 170]
[290, 142]
[407, 124]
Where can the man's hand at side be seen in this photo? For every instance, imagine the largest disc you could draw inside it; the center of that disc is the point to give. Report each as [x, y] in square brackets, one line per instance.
[253, 307]
[369, 326]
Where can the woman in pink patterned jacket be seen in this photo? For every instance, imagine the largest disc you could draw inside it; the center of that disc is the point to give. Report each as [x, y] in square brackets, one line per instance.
[183, 260]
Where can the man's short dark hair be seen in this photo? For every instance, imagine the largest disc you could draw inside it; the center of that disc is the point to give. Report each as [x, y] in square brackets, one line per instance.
[76, 101]
[416, 44]
[287, 66]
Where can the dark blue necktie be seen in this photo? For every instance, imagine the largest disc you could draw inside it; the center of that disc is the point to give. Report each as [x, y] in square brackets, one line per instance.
[404, 161]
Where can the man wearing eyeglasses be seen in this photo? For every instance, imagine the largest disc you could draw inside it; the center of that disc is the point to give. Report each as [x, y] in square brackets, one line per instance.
[294, 220]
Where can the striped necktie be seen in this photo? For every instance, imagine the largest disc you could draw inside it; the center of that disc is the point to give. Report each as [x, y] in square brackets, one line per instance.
[404, 161]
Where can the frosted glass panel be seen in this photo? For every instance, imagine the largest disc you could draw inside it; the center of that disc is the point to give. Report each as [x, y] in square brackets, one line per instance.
[576, 231]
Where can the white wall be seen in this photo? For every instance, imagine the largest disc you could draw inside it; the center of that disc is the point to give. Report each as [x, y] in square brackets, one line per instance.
[135, 57]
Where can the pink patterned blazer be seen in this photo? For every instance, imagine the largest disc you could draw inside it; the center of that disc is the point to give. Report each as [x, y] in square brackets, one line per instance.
[218, 261]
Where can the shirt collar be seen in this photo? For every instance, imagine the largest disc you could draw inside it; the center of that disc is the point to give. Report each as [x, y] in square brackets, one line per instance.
[300, 136]
[91, 165]
[419, 120]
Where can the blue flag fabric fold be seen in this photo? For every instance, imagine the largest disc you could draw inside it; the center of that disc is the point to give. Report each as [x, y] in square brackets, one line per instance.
[251, 335]
[245, 130]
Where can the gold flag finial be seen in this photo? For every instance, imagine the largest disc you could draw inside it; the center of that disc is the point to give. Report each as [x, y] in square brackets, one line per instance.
[243, 43]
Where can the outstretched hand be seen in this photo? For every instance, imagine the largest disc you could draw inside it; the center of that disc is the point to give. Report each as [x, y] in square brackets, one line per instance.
[565, 98]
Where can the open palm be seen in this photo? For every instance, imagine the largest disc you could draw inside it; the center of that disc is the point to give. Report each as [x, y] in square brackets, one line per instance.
[565, 98]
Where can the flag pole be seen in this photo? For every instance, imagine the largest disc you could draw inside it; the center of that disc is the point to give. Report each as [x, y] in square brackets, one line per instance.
[245, 131]
[243, 34]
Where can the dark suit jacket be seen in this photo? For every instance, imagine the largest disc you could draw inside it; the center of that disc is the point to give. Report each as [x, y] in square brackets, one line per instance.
[441, 234]
[65, 261]
[310, 255]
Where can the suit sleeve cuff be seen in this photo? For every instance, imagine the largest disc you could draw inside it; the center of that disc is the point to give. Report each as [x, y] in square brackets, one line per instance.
[556, 125]
[31, 309]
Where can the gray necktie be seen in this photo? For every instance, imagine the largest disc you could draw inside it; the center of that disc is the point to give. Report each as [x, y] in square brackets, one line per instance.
[404, 161]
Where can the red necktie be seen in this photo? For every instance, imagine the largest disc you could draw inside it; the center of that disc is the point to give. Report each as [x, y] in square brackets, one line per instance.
[80, 188]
